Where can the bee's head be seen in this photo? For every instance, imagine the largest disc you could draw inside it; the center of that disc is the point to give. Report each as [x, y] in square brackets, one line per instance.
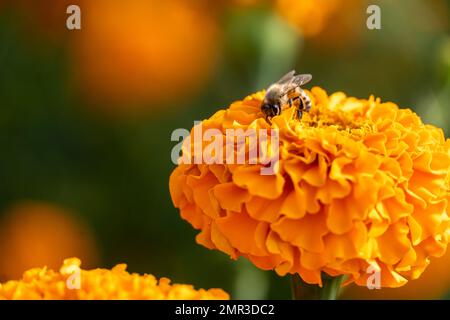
[270, 109]
[265, 106]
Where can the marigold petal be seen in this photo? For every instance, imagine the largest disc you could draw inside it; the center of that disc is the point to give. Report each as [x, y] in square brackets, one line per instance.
[230, 196]
[240, 230]
[304, 233]
[265, 186]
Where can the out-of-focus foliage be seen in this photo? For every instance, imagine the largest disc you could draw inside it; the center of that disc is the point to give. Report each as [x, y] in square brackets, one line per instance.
[113, 172]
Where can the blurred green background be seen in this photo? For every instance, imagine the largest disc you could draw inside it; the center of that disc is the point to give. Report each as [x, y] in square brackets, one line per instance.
[86, 116]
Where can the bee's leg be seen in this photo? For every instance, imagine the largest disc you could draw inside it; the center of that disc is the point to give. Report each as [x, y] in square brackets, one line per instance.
[275, 110]
[291, 102]
[298, 112]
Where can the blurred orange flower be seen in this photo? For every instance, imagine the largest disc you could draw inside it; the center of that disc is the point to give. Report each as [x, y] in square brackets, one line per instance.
[360, 184]
[136, 56]
[331, 23]
[99, 284]
[309, 17]
[38, 234]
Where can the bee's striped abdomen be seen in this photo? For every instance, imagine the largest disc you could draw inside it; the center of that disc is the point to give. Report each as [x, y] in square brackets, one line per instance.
[306, 101]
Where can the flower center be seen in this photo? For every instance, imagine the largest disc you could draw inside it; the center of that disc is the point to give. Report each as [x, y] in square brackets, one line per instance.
[344, 122]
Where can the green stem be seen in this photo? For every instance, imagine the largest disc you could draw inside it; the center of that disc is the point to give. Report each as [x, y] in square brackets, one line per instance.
[279, 48]
[304, 291]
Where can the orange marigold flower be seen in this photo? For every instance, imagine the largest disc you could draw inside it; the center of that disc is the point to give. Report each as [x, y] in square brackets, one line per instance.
[99, 284]
[330, 24]
[308, 17]
[360, 184]
[126, 63]
[38, 233]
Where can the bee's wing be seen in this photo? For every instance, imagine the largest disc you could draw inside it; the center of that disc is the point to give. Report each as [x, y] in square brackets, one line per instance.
[287, 77]
[293, 83]
[301, 79]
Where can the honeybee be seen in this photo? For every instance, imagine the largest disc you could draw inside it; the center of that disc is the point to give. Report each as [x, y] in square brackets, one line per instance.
[285, 93]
